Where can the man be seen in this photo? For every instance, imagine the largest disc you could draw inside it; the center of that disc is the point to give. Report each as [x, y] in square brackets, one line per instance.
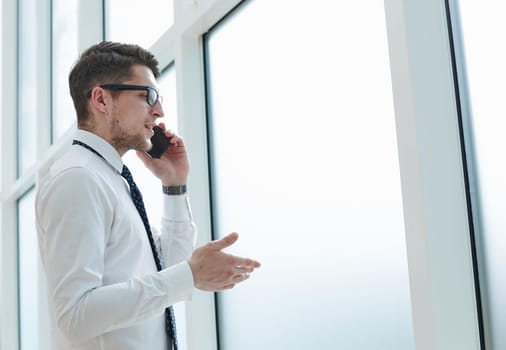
[111, 277]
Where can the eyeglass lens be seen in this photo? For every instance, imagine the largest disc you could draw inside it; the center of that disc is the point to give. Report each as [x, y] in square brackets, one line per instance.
[152, 97]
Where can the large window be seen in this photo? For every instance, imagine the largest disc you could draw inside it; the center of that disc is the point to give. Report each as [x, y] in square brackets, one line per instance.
[28, 253]
[138, 22]
[287, 111]
[27, 80]
[482, 74]
[305, 167]
[65, 53]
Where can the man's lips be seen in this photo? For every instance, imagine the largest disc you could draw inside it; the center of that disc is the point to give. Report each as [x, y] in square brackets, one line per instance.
[150, 128]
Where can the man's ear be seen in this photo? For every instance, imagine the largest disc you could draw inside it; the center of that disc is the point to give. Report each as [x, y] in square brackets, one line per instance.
[99, 99]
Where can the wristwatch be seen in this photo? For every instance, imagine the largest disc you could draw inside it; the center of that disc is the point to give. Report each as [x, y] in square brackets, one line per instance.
[174, 190]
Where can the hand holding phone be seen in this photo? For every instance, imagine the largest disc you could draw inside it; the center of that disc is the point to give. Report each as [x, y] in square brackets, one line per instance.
[159, 141]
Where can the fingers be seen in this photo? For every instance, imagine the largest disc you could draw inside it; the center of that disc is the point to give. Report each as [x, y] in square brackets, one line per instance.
[235, 261]
[244, 262]
[176, 142]
[240, 278]
[234, 274]
[175, 139]
[215, 270]
[169, 133]
[225, 242]
[241, 270]
[235, 280]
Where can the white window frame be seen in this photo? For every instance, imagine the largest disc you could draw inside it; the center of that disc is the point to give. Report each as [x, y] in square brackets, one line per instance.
[434, 191]
[433, 186]
[9, 296]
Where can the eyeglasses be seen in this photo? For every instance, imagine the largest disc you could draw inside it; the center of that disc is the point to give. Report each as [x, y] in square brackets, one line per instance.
[151, 98]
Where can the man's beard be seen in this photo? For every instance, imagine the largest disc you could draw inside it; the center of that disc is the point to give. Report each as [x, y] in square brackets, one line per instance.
[122, 140]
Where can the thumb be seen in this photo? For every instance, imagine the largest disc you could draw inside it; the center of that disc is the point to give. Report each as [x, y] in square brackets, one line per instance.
[226, 241]
[143, 156]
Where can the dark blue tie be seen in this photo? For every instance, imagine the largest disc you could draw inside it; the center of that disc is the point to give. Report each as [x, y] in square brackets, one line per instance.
[135, 194]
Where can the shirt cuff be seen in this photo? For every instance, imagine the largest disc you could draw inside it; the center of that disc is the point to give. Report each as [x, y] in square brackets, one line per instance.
[181, 278]
[177, 208]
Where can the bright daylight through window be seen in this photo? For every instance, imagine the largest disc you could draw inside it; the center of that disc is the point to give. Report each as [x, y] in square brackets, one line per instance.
[305, 167]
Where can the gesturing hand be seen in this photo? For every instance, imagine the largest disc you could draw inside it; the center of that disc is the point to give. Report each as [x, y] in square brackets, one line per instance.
[214, 270]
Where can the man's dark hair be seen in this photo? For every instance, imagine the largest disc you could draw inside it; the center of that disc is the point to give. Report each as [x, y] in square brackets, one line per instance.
[105, 63]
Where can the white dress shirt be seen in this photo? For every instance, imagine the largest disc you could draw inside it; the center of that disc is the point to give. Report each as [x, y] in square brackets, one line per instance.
[104, 290]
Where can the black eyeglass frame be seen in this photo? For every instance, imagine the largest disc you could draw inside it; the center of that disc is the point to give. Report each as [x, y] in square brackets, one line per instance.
[152, 95]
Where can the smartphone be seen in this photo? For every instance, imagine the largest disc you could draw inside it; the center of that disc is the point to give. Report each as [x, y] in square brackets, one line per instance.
[160, 143]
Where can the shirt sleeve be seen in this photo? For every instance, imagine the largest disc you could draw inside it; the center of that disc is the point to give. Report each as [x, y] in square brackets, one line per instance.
[178, 231]
[74, 224]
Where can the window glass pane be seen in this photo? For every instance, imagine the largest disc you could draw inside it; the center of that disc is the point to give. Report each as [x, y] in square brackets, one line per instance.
[485, 57]
[152, 188]
[138, 22]
[28, 273]
[304, 166]
[27, 75]
[65, 53]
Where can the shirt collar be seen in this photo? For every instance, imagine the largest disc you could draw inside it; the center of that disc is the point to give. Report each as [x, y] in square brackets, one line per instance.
[103, 147]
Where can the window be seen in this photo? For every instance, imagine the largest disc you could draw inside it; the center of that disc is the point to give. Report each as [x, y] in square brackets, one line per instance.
[65, 53]
[28, 273]
[137, 22]
[304, 165]
[285, 83]
[27, 80]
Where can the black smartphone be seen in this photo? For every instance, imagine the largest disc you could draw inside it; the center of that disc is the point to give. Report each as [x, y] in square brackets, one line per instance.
[160, 143]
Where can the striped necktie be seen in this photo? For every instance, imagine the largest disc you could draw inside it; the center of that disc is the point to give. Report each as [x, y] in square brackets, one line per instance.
[135, 194]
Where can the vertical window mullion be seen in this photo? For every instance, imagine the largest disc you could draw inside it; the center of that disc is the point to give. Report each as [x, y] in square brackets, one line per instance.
[434, 189]
[479, 62]
[8, 149]
[192, 125]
